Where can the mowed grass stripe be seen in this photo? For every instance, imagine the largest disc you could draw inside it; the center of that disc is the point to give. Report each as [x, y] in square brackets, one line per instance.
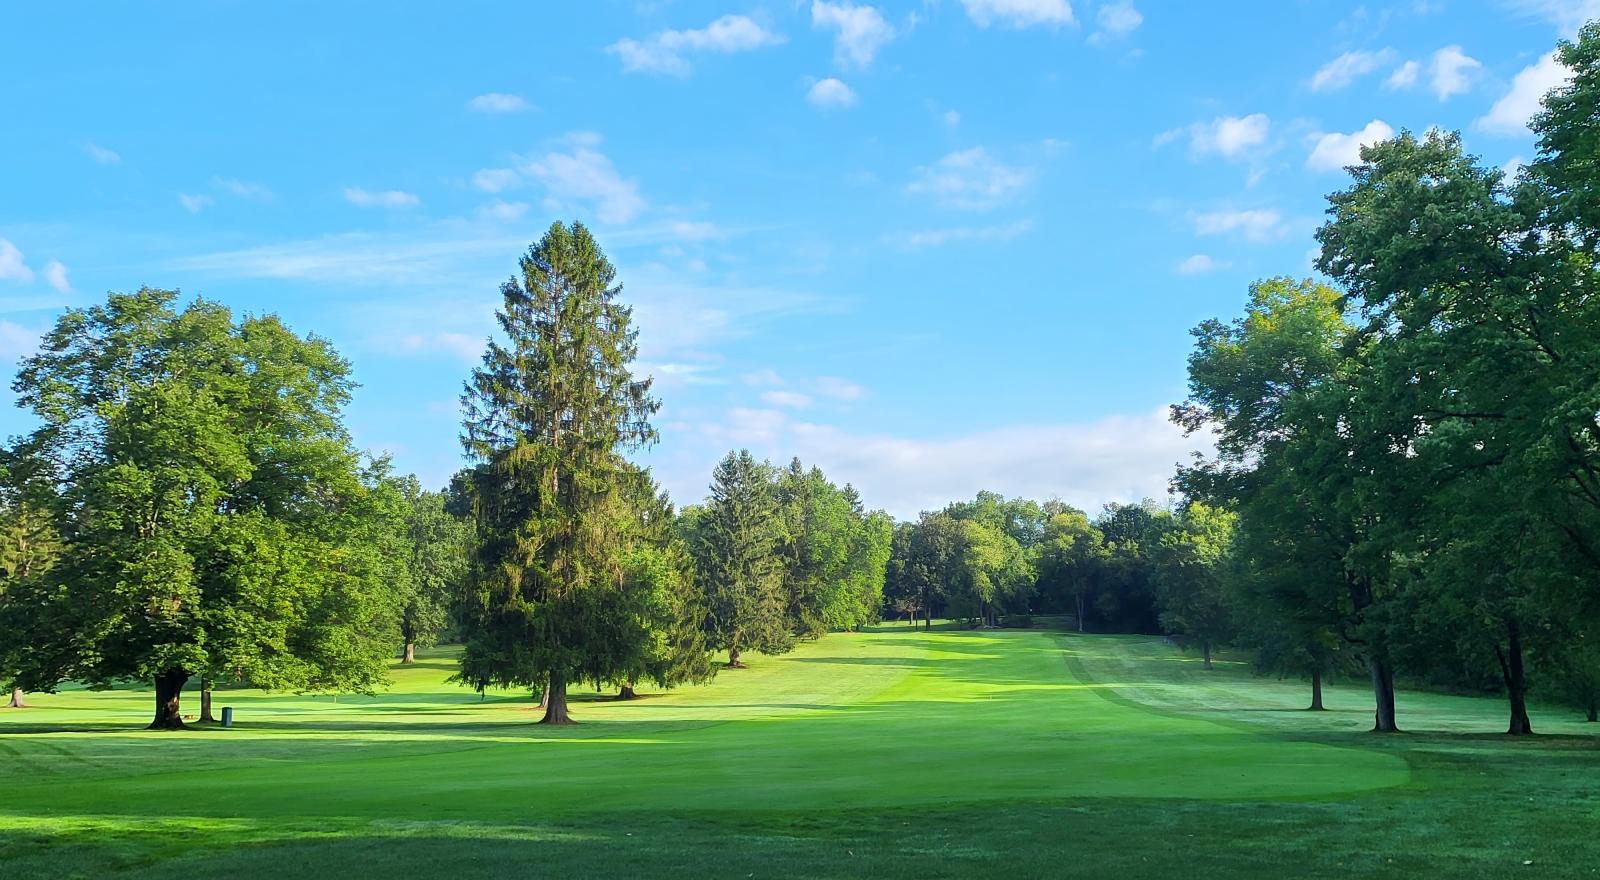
[885, 719]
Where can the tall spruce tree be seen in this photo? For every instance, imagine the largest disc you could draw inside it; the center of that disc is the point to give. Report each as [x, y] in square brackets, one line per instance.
[737, 539]
[548, 415]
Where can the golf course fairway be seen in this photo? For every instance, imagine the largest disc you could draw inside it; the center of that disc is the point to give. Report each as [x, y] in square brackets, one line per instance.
[892, 752]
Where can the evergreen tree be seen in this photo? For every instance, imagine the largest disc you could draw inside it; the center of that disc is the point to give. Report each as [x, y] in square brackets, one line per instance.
[737, 539]
[549, 413]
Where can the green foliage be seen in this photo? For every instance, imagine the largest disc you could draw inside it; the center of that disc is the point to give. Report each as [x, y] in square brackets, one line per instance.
[437, 541]
[736, 541]
[548, 415]
[213, 515]
[1192, 565]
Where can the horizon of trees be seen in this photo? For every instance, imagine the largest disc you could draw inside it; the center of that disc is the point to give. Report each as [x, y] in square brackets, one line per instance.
[1406, 484]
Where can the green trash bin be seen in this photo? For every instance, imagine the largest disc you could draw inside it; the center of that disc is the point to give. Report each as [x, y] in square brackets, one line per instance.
[227, 716]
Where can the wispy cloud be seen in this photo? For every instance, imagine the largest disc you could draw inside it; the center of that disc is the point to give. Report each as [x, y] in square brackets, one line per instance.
[498, 102]
[391, 198]
[1019, 13]
[1347, 68]
[830, 94]
[970, 180]
[583, 175]
[1229, 136]
[55, 275]
[12, 266]
[859, 31]
[1259, 224]
[1200, 264]
[102, 155]
[925, 238]
[667, 51]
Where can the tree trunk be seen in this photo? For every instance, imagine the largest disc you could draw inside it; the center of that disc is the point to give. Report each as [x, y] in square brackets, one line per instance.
[627, 693]
[1516, 680]
[1383, 695]
[1594, 708]
[205, 701]
[1080, 608]
[544, 695]
[733, 659]
[1205, 648]
[169, 689]
[1316, 692]
[16, 700]
[555, 702]
[411, 653]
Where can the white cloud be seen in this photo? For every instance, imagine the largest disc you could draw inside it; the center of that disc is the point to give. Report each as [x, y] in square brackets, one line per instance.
[764, 376]
[1199, 264]
[493, 180]
[1225, 135]
[243, 189]
[391, 198]
[17, 341]
[1404, 76]
[1568, 15]
[12, 268]
[790, 399]
[1511, 113]
[1333, 151]
[1117, 458]
[1019, 13]
[938, 237]
[1260, 224]
[951, 118]
[664, 52]
[194, 204]
[503, 212]
[1451, 71]
[860, 31]
[586, 175]
[461, 346]
[55, 275]
[1347, 68]
[1512, 169]
[970, 180]
[1116, 20]
[837, 388]
[830, 94]
[102, 155]
[694, 230]
[498, 102]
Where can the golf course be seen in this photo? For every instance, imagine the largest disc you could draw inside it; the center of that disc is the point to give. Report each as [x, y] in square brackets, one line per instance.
[894, 752]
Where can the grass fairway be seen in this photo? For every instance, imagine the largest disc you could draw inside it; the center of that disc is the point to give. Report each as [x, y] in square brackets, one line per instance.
[892, 753]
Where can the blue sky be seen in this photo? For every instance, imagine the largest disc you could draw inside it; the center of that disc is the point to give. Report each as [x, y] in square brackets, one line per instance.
[932, 247]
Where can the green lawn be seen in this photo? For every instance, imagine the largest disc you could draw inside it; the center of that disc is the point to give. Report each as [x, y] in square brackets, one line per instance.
[892, 753]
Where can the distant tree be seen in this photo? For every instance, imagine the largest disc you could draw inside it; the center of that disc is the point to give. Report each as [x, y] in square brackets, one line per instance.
[1071, 553]
[213, 511]
[29, 548]
[1192, 568]
[736, 543]
[548, 415]
[436, 544]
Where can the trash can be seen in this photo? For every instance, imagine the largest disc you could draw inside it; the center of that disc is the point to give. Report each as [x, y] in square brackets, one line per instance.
[227, 716]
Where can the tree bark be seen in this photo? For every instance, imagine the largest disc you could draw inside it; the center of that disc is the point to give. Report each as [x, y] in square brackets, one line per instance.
[1080, 607]
[16, 700]
[627, 693]
[555, 702]
[1383, 695]
[411, 653]
[733, 659]
[1516, 680]
[1316, 692]
[1594, 709]
[205, 701]
[169, 690]
[1205, 648]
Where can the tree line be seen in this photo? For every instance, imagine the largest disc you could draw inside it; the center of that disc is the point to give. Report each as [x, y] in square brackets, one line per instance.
[1412, 453]
[191, 506]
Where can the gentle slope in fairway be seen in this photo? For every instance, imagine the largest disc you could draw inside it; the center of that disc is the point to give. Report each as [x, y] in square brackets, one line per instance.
[994, 752]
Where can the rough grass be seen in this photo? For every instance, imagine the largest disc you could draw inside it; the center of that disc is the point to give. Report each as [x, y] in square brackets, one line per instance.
[892, 753]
